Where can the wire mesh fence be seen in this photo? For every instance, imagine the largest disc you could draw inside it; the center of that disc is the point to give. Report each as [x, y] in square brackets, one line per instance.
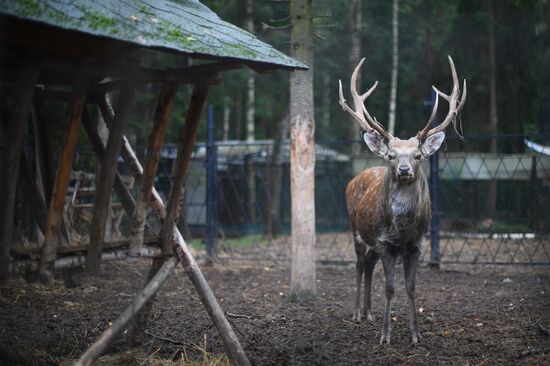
[492, 206]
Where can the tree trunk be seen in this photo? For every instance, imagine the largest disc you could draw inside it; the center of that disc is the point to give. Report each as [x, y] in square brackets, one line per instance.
[302, 156]
[394, 68]
[493, 119]
[250, 121]
[355, 30]
[277, 176]
[226, 115]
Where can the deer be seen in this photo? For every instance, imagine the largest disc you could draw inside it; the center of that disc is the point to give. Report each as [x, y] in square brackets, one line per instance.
[389, 207]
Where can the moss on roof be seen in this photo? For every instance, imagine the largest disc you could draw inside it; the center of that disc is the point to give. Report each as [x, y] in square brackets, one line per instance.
[185, 26]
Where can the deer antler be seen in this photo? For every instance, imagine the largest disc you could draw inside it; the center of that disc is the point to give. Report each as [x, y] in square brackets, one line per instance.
[455, 105]
[361, 114]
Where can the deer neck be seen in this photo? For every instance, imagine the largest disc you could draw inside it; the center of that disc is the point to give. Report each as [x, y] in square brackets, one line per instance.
[406, 200]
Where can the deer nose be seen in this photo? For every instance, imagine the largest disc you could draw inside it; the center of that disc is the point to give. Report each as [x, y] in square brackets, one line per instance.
[404, 170]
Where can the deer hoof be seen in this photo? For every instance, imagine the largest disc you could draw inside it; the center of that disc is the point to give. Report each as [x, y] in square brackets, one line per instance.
[415, 337]
[369, 316]
[384, 339]
[357, 315]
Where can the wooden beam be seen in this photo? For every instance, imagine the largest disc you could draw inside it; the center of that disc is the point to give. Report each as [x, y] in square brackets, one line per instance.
[122, 192]
[230, 340]
[131, 160]
[99, 346]
[179, 173]
[107, 174]
[184, 253]
[66, 157]
[73, 261]
[32, 197]
[11, 158]
[156, 140]
[181, 165]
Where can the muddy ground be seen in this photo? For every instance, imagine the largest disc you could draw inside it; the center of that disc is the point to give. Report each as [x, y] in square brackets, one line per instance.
[468, 315]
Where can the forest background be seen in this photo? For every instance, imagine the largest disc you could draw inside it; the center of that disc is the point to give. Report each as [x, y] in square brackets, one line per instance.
[518, 62]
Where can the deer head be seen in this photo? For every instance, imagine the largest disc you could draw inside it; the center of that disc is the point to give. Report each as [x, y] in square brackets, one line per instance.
[403, 156]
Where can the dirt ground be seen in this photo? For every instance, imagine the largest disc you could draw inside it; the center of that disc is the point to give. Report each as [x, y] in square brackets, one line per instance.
[468, 315]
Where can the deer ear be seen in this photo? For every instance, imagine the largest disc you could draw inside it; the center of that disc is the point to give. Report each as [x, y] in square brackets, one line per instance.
[375, 143]
[433, 143]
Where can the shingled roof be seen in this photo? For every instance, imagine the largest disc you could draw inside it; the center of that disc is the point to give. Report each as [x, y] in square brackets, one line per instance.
[182, 26]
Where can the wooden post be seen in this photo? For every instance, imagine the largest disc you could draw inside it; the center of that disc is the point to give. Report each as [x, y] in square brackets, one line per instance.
[122, 192]
[122, 321]
[130, 158]
[44, 147]
[32, 195]
[184, 253]
[156, 139]
[107, 175]
[10, 159]
[179, 173]
[181, 165]
[64, 169]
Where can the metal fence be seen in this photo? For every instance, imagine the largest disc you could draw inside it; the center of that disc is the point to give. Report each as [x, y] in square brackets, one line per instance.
[492, 207]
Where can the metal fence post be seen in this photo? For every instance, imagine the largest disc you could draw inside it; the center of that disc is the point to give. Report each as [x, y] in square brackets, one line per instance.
[434, 194]
[211, 183]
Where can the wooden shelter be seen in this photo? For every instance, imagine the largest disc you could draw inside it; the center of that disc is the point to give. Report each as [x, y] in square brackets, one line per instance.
[77, 51]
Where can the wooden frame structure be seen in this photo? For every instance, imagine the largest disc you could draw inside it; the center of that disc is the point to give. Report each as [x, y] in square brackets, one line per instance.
[78, 58]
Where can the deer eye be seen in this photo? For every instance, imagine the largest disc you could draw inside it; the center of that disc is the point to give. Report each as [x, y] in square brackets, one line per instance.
[391, 156]
[418, 156]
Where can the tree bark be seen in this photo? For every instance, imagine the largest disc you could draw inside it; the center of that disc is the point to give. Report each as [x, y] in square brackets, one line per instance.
[277, 176]
[355, 30]
[394, 68]
[493, 118]
[65, 165]
[10, 159]
[250, 121]
[302, 156]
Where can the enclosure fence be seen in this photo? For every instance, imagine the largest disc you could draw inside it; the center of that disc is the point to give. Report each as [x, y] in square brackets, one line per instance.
[490, 207]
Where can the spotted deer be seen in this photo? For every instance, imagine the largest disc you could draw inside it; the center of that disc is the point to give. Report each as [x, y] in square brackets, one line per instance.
[389, 207]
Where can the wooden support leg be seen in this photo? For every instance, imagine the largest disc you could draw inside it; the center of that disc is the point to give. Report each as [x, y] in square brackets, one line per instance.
[122, 321]
[232, 344]
[9, 164]
[181, 165]
[64, 169]
[156, 139]
[193, 271]
[43, 147]
[32, 195]
[130, 158]
[107, 175]
[122, 192]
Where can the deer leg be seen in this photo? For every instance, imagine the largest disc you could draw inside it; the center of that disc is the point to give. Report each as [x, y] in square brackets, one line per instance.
[388, 261]
[409, 265]
[359, 267]
[370, 261]
[360, 249]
